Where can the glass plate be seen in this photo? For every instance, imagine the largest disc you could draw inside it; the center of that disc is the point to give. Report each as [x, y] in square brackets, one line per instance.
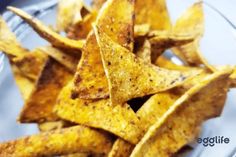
[218, 46]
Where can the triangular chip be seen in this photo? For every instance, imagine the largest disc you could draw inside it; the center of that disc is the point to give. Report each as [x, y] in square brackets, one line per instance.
[39, 105]
[192, 22]
[119, 120]
[59, 142]
[180, 124]
[151, 111]
[90, 81]
[51, 36]
[154, 13]
[131, 77]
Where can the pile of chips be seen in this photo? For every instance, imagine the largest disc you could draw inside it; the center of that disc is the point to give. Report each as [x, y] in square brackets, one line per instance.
[107, 89]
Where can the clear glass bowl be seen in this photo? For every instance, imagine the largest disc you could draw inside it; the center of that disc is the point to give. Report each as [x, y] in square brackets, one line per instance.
[218, 46]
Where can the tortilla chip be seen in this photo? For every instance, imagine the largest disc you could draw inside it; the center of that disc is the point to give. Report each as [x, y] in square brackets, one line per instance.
[119, 120]
[8, 38]
[180, 124]
[59, 142]
[154, 13]
[38, 108]
[90, 81]
[192, 22]
[126, 83]
[151, 111]
[144, 52]
[70, 12]
[48, 34]
[70, 62]
[162, 40]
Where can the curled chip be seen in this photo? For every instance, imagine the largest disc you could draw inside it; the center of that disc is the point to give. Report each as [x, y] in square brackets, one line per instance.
[90, 81]
[119, 120]
[182, 121]
[48, 34]
[38, 107]
[126, 83]
[65, 141]
[192, 22]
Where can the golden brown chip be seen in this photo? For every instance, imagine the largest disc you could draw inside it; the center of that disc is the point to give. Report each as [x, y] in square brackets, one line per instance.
[90, 81]
[70, 12]
[54, 38]
[192, 22]
[180, 124]
[39, 105]
[59, 142]
[121, 148]
[131, 77]
[119, 120]
[154, 13]
[70, 62]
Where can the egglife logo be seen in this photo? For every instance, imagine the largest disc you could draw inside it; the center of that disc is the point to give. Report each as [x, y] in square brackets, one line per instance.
[211, 141]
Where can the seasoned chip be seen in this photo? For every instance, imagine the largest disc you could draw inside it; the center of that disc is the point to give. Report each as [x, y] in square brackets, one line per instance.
[119, 120]
[154, 13]
[59, 142]
[90, 81]
[180, 124]
[192, 22]
[39, 105]
[48, 34]
[70, 62]
[131, 77]
[149, 113]
[70, 12]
